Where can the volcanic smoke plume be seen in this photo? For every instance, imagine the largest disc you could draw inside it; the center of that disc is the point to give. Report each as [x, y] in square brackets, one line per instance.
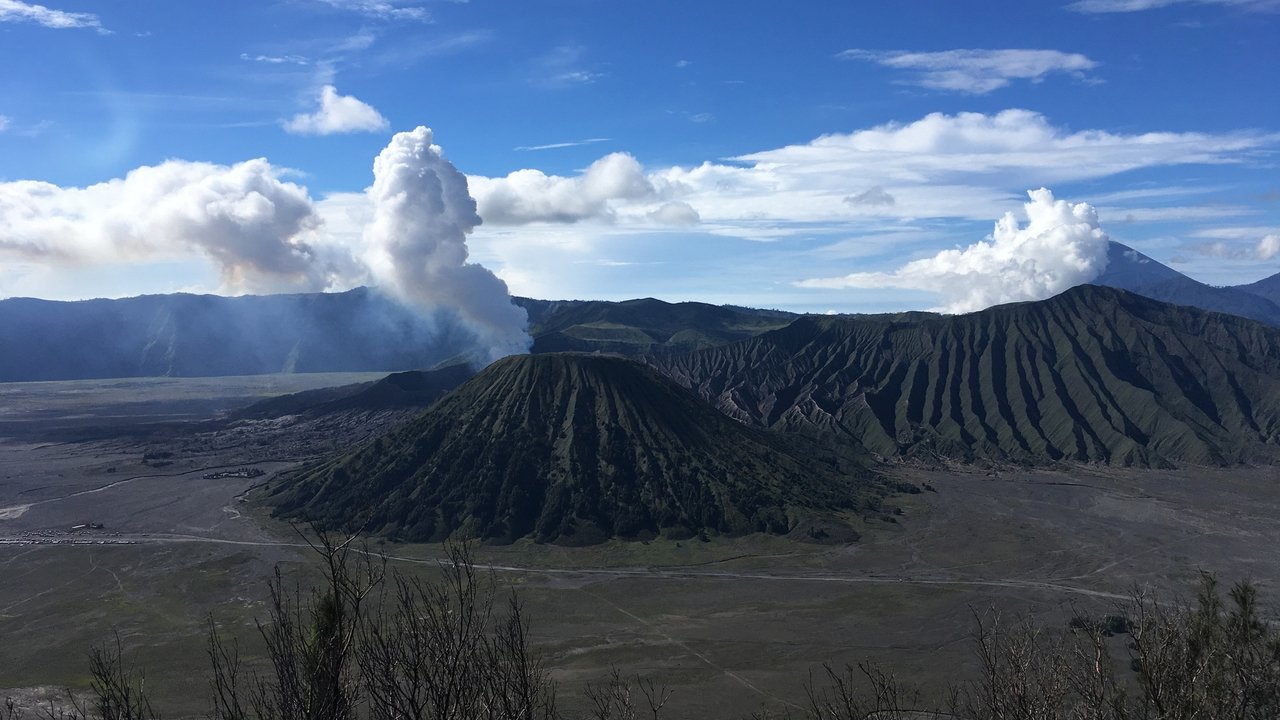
[422, 213]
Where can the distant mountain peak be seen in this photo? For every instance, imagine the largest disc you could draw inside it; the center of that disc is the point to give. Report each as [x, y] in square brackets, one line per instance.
[1129, 269]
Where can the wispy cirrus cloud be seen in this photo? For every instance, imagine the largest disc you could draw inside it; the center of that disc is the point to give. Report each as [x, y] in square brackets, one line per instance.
[1175, 213]
[975, 71]
[276, 59]
[1265, 248]
[1127, 6]
[559, 145]
[1246, 242]
[563, 67]
[382, 9]
[18, 11]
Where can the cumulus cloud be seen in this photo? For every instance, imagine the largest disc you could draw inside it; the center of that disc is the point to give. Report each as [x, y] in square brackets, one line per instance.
[259, 231]
[527, 196]
[337, 114]
[976, 71]
[1061, 246]
[18, 11]
[422, 214]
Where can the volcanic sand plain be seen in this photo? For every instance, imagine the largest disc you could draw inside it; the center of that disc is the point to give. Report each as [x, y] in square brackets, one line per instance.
[731, 625]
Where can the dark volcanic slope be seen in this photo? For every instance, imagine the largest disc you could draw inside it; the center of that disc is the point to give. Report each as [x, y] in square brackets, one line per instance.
[1094, 374]
[634, 327]
[573, 449]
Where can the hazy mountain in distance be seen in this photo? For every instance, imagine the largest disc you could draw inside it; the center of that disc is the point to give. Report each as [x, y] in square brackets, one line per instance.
[1094, 374]
[208, 335]
[1128, 269]
[185, 335]
[574, 449]
[1267, 288]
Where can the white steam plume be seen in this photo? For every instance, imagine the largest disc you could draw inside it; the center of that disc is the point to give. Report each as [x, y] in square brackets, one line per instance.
[1061, 246]
[422, 213]
[257, 229]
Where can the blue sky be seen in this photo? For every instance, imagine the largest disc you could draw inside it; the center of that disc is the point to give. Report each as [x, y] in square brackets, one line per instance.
[801, 156]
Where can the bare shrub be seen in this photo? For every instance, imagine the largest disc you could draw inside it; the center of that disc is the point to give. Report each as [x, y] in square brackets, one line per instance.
[856, 693]
[310, 644]
[439, 653]
[418, 650]
[615, 698]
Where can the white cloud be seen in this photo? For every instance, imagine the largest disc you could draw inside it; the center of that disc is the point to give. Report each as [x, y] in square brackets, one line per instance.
[940, 170]
[559, 145]
[976, 71]
[1124, 6]
[18, 11]
[1012, 143]
[259, 232]
[748, 224]
[1236, 233]
[1174, 213]
[276, 59]
[872, 196]
[562, 67]
[4, 123]
[940, 166]
[382, 9]
[1061, 246]
[1268, 247]
[1238, 243]
[337, 114]
[529, 196]
[675, 213]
